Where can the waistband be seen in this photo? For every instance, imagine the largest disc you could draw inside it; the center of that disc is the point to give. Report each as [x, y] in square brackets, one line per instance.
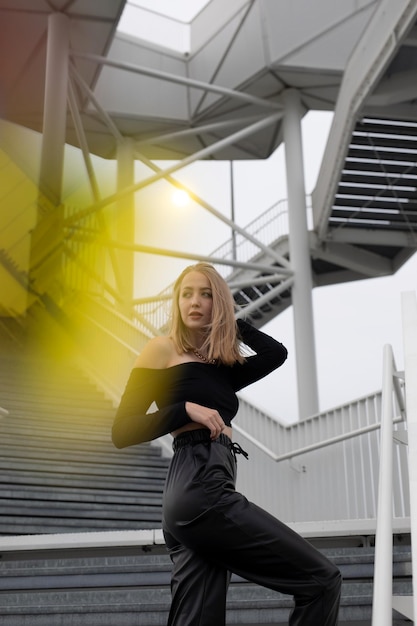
[193, 437]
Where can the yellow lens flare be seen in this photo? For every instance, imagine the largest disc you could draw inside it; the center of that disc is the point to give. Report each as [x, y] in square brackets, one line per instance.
[180, 198]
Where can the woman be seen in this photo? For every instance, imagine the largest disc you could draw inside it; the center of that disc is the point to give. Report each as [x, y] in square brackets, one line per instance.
[210, 530]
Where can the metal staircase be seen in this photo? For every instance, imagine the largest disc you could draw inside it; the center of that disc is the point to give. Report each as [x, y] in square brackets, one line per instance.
[364, 211]
[364, 224]
[377, 188]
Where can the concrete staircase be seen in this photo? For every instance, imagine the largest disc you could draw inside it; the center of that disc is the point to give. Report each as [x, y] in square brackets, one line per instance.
[130, 587]
[59, 471]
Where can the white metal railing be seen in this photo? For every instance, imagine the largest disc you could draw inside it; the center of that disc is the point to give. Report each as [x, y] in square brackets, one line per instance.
[382, 590]
[313, 446]
[409, 321]
[321, 468]
[383, 600]
[84, 259]
[335, 438]
[108, 342]
[268, 228]
[324, 467]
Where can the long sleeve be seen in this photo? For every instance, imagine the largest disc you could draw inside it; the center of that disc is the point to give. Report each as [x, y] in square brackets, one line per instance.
[269, 355]
[132, 424]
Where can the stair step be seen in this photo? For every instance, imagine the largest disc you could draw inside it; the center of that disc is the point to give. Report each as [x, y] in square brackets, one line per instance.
[46, 510]
[115, 497]
[59, 471]
[97, 456]
[70, 466]
[130, 589]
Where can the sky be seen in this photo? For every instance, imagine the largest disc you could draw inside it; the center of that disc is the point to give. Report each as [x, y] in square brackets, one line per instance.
[147, 19]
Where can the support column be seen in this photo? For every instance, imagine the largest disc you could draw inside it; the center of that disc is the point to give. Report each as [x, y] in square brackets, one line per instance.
[302, 301]
[47, 236]
[55, 107]
[125, 218]
[232, 210]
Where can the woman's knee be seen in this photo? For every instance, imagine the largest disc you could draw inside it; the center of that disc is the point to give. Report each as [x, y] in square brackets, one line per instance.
[333, 579]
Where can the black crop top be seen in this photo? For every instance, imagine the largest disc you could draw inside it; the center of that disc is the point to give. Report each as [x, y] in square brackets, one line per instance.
[214, 386]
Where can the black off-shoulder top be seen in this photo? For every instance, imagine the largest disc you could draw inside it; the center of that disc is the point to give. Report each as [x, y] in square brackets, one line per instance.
[214, 386]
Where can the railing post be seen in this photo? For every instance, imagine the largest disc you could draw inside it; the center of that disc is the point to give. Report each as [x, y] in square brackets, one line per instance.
[382, 591]
[409, 321]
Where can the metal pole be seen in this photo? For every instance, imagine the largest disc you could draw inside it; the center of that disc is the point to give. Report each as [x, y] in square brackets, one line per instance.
[232, 210]
[382, 592]
[55, 108]
[258, 267]
[180, 80]
[409, 318]
[300, 259]
[125, 217]
[163, 173]
[177, 166]
[197, 156]
[82, 139]
[196, 130]
[47, 236]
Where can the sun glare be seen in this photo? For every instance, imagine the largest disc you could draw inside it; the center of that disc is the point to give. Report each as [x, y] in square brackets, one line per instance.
[180, 198]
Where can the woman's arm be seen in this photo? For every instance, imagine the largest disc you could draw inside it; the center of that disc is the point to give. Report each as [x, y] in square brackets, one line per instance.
[270, 354]
[132, 424]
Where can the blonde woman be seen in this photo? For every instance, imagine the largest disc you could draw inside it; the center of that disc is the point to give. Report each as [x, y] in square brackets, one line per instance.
[210, 530]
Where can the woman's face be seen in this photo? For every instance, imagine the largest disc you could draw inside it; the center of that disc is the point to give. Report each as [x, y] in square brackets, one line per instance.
[195, 301]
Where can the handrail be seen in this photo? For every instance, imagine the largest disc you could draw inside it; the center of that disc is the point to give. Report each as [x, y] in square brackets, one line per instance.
[351, 431]
[409, 321]
[383, 599]
[396, 388]
[258, 444]
[314, 446]
[269, 228]
[382, 590]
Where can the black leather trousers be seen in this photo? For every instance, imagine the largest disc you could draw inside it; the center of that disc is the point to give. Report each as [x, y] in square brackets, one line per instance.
[211, 530]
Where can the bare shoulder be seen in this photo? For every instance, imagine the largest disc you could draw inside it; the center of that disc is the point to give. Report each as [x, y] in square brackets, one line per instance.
[156, 354]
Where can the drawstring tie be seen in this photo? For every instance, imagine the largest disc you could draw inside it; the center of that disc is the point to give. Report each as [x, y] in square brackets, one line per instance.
[236, 448]
[193, 437]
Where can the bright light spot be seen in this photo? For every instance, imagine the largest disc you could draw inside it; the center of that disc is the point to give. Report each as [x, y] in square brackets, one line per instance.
[180, 198]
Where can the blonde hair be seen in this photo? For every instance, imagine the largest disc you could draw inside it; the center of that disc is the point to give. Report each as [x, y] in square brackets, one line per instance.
[222, 342]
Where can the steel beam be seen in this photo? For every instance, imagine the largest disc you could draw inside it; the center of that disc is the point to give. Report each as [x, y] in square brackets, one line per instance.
[180, 80]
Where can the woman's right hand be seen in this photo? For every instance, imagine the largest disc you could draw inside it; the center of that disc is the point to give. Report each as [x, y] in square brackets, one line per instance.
[210, 418]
